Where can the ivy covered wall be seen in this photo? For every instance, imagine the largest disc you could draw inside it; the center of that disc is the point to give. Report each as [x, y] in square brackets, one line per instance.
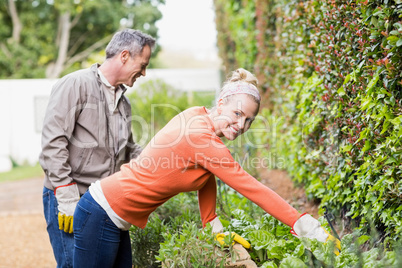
[330, 72]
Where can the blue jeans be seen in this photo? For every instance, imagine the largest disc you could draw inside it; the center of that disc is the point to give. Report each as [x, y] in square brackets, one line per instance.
[62, 242]
[98, 241]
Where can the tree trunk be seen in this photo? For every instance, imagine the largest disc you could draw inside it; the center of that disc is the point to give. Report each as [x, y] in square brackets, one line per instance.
[54, 69]
[17, 26]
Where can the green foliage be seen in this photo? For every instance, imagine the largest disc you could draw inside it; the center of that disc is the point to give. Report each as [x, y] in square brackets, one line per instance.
[155, 103]
[20, 172]
[165, 230]
[173, 236]
[237, 18]
[334, 86]
[191, 248]
[274, 246]
[145, 242]
[36, 47]
[170, 217]
[270, 239]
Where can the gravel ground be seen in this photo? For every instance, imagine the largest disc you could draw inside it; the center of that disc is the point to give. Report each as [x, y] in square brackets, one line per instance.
[24, 241]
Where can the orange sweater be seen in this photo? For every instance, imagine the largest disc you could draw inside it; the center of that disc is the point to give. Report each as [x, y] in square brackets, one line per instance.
[185, 156]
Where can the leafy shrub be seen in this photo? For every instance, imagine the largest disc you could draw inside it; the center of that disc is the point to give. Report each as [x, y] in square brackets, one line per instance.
[191, 247]
[171, 216]
[274, 246]
[145, 243]
[155, 103]
[179, 241]
[166, 224]
[331, 76]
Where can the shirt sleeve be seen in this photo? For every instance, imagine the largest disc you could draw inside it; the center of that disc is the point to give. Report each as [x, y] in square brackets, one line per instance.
[134, 149]
[207, 200]
[60, 118]
[217, 159]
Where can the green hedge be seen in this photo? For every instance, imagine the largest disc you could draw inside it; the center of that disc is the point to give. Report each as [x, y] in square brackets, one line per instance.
[331, 76]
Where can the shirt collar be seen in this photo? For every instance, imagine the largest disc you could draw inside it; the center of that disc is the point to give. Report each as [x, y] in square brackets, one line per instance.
[104, 80]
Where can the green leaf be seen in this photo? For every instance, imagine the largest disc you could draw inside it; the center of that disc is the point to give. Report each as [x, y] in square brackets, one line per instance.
[386, 125]
[372, 82]
[363, 135]
[390, 160]
[347, 78]
[341, 91]
[399, 43]
[374, 21]
[292, 262]
[269, 264]
[392, 38]
[346, 148]
[312, 82]
[362, 239]
[397, 121]
[261, 239]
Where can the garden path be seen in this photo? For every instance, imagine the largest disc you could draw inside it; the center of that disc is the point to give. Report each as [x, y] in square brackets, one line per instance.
[23, 238]
[24, 242]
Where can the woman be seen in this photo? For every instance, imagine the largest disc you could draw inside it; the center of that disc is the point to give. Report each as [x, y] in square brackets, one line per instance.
[185, 155]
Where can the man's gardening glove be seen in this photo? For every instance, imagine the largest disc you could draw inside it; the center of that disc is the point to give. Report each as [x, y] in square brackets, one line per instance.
[308, 227]
[67, 197]
[217, 228]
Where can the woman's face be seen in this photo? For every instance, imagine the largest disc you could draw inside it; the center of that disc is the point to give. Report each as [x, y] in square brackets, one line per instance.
[235, 117]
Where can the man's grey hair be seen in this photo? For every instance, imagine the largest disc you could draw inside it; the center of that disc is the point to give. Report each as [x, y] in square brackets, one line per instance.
[128, 39]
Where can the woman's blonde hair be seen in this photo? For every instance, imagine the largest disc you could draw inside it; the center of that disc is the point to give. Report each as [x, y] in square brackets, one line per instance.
[240, 81]
[242, 75]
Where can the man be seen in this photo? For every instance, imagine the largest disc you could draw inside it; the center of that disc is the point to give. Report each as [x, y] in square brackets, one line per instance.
[87, 132]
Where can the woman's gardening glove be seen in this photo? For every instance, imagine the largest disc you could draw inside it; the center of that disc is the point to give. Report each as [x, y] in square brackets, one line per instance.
[67, 197]
[236, 238]
[308, 227]
[217, 228]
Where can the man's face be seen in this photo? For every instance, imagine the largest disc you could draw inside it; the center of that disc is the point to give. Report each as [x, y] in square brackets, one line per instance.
[135, 67]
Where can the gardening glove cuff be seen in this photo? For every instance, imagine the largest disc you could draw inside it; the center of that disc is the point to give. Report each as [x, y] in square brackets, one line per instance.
[308, 227]
[67, 198]
[216, 225]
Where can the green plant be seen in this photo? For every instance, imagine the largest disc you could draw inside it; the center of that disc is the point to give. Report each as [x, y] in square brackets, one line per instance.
[191, 248]
[270, 239]
[145, 242]
[155, 103]
[175, 215]
[170, 217]
[274, 246]
[330, 73]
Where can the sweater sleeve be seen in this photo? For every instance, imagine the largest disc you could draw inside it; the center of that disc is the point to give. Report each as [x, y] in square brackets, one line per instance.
[207, 200]
[217, 159]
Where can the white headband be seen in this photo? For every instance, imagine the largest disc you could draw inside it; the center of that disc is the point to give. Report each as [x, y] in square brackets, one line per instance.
[239, 87]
